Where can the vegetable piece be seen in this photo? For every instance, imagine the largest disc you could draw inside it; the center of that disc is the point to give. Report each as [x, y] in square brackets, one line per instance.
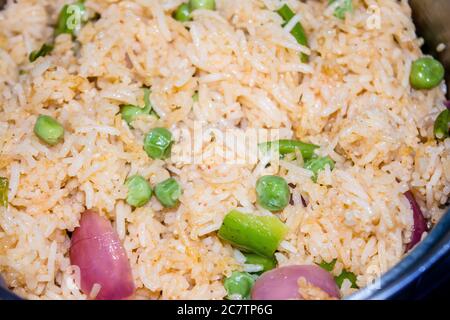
[441, 125]
[48, 130]
[328, 266]
[130, 112]
[42, 52]
[70, 19]
[168, 192]
[255, 259]
[297, 31]
[202, 4]
[139, 191]
[316, 165]
[289, 146]
[426, 73]
[4, 184]
[257, 234]
[282, 283]
[239, 285]
[272, 193]
[158, 143]
[420, 224]
[346, 275]
[342, 8]
[195, 97]
[96, 249]
[183, 13]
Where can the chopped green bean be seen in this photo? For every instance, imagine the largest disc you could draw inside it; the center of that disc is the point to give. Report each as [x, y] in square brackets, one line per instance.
[239, 285]
[256, 234]
[441, 125]
[4, 184]
[265, 262]
[318, 164]
[158, 143]
[342, 8]
[168, 192]
[272, 193]
[290, 146]
[297, 31]
[48, 130]
[42, 52]
[139, 191]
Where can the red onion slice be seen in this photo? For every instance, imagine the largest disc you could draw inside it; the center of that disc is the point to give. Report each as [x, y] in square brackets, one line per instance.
[420, 224]
[282, 283]
[96, 249]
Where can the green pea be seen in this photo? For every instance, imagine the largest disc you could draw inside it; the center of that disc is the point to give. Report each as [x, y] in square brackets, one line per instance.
[343, 7]
[318, 164]
[168, 192]
[139, 191]
[441, 125]
[272, 193]
[426, 73]
[257, 234]
[42, 52]
[183, 13]
[239, 285]
[202, 4]
[130, 112]
[70, 18]
[4, 184]
[290, 146]
[48, 130]
[158, 143]
[265, 262]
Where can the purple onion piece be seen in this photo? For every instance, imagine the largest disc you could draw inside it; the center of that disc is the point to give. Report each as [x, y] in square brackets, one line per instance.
[447, 104]
[420, 224]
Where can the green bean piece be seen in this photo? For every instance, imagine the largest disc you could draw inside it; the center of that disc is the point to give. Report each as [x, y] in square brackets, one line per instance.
[426, 73]
[48, 130]
[290, 146]
[139, 191]
[130, 112]
[4, 184]
[45, 49]
[70, 19]
[202, 4]
[272, 193]
[239, 285]
[328, 266]
[346, 275]
[168, 192]
[158, 143]
[266, 263]
[441, 125]
[297, 31]
[251, 233]
[183, 13]
[343, 7]
[318, 164]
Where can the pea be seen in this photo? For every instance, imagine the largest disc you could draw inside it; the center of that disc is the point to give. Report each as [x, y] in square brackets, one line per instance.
[158, 143]
[139, 191]
[183, 13]
[168, 192]
[202, 4]
[441, 125]
[239, 285]
[426, 73]
[272, 193]
[48, 130]
[318, 164]
[130, 112]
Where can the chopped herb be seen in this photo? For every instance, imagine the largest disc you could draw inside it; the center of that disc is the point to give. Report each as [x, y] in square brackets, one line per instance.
[42, 52]
[342, 7]
[4, 184]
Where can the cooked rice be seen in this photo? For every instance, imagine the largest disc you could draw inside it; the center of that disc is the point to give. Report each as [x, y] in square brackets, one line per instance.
[353, 99]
